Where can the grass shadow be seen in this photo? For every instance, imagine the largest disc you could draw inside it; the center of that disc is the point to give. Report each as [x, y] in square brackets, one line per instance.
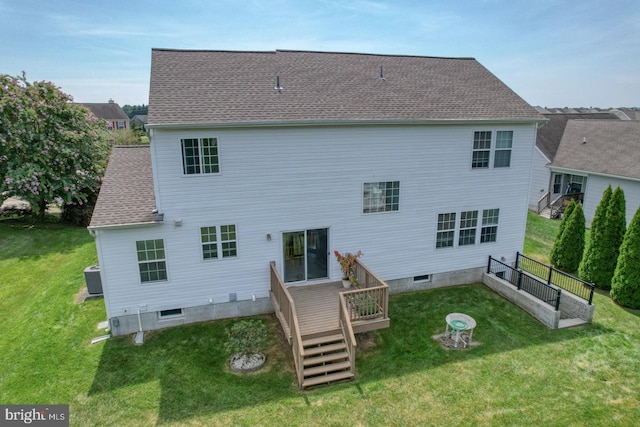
[192, 369]
[32, 241]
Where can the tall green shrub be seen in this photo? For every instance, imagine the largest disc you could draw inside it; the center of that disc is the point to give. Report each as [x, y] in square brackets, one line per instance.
[556, 243]
[625, 285]
[612, 235]
[592, 265]
[570, 244]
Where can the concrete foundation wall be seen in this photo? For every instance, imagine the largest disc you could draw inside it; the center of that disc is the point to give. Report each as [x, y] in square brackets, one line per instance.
[571, 307]
[127, 324]
[546, 314]
[439, 280]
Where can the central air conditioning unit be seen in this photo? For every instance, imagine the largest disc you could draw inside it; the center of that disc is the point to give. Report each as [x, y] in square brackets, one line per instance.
[94, 282]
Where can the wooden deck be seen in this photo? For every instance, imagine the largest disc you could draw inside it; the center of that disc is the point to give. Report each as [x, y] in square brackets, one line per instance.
[320, 322]
[317, 307]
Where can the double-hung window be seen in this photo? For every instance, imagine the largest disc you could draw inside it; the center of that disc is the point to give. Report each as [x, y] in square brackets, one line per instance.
[502, 156]
[468, 224]
[485, 148]
[489, 230]
[481, 149]
[200, 156]
[225, 235]
[446, 230]
[381, 196]
[151, 260]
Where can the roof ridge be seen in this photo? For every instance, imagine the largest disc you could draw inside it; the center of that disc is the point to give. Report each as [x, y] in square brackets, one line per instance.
[463, 58]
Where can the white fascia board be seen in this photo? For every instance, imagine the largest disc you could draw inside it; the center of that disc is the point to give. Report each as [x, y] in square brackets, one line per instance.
[298, 123]
[123, 226]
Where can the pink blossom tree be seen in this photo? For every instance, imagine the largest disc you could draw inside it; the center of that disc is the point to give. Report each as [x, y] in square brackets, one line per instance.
[50, 148]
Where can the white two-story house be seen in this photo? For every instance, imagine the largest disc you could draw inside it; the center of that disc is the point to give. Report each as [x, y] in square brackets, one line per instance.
[421, 163]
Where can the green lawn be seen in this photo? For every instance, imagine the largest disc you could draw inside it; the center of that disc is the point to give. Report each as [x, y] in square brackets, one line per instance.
[521, 373]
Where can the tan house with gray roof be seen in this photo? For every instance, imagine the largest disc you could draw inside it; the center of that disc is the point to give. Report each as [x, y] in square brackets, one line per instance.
[262, 164]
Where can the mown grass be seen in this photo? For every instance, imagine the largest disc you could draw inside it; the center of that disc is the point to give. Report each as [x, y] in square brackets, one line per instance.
[521, 373]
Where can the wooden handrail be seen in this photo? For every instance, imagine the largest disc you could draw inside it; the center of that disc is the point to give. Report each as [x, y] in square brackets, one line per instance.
[283, 297]
[546, 199]
[372, 297]
[347, 332]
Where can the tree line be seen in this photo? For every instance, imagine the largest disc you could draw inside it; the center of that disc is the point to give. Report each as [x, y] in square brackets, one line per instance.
[611, 260]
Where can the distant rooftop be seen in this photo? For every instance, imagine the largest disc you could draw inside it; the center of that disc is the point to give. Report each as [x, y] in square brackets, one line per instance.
[106, 110]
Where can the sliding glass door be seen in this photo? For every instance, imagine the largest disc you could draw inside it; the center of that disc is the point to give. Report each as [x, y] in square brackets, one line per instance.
[305, 255]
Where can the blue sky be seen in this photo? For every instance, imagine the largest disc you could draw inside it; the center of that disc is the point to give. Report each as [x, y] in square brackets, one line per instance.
[552, 53]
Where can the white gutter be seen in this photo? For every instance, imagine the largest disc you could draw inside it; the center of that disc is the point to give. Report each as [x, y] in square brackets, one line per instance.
[131, 225]
[377, 122]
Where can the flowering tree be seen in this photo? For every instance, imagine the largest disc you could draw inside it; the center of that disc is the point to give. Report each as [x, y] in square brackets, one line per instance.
[50, 148]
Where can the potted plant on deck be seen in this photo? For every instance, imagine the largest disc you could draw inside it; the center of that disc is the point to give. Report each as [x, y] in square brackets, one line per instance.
[347, 263]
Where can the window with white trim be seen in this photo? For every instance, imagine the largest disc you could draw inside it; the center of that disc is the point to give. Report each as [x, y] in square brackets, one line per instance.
[446, 230]
[489, 230]
[502, 156]
[468, 225]
[151, 260]
[485, 148]
[200, 156]
[481, 149]
[225, 235]
[381, 196]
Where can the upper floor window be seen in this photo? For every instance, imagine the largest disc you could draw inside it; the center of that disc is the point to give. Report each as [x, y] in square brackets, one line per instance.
[504, 140]
[484, 149]
[200, 155]
[151, 260]
[481, 149]
[381, 196]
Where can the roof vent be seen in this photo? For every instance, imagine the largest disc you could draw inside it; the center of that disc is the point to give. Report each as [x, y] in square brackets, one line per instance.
[584, 140]
[278, 87]
[381, 74]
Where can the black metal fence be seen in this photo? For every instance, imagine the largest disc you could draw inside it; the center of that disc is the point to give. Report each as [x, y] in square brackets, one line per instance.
[556, 277]
[523, 281]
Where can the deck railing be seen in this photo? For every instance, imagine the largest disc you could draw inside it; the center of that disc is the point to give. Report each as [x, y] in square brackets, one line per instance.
[556, 277]
[347, 332]
[371, 300]
[544, 201]
[288, 310]
[525, 282]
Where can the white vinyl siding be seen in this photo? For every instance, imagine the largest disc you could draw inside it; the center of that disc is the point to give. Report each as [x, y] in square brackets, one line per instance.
[282, 179]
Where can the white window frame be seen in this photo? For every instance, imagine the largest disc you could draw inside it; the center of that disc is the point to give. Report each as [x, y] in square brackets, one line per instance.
[490, 219]
[468, 228]
[148, 256]
[446, 224]
[488, 145]
[224, 241]
[381, 196]
[204, 162]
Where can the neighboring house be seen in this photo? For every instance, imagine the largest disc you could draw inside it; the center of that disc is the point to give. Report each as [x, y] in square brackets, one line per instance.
[139, 120]
[111, 112]
[545, 186]
[598, 153]
[286, 156]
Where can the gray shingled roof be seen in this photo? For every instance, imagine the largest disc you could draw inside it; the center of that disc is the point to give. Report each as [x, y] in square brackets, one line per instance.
[612, 147]
[106, 110]
[550, 134]
[126, 195]
[190, 87]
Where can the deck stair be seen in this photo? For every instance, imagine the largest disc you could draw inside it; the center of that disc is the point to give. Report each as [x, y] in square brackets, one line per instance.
[325, 360]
